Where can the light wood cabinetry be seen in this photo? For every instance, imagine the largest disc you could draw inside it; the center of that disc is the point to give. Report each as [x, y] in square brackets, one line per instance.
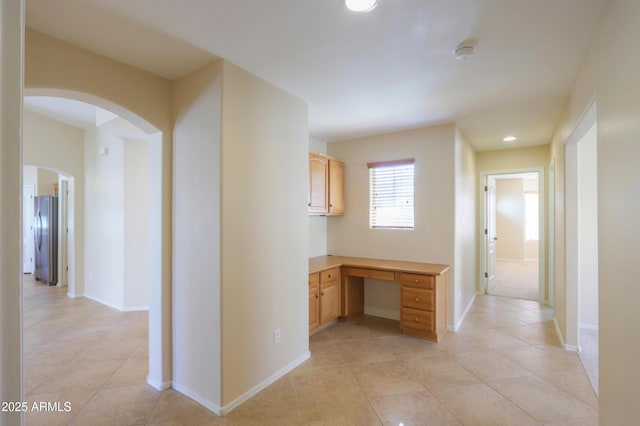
[326, 186]
[324, 299]
[338, 282]
[423, 305]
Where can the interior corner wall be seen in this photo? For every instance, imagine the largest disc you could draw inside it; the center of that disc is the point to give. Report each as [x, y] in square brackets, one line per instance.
[50, 143]
[265, 246]
[432, 240]
[46, 181]
[317, 224]
[104, 223]
[197, 368]
[465, 277]
[609, 75]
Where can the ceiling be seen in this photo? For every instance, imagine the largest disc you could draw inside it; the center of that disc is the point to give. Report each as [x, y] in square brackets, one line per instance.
[361, 74]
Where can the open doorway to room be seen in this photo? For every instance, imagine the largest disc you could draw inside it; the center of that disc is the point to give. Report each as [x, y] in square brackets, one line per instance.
[514, 264]
[112, 228]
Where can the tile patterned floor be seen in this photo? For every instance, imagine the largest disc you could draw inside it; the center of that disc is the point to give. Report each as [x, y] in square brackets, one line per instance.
[504, 367]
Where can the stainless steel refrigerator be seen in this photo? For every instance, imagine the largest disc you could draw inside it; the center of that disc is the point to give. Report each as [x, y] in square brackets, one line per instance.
[46, 238]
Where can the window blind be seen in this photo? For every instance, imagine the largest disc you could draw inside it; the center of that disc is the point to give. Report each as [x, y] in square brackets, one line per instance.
[391, 194]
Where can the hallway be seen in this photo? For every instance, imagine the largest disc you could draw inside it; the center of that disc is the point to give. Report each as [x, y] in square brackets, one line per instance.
[505, 366]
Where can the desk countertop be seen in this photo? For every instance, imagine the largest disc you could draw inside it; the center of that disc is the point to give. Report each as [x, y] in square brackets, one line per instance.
[322, 263]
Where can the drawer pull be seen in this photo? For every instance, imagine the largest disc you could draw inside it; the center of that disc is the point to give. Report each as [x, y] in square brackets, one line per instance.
[417, 299]
[417, 281]
[322, 293]
[316, 296]
[370, 274]
[417, 319]
[329, 276]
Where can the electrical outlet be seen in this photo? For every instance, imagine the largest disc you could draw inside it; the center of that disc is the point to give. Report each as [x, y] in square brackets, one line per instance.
[276, 336]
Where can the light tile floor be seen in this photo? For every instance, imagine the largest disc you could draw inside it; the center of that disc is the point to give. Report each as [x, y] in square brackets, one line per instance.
[504, 367]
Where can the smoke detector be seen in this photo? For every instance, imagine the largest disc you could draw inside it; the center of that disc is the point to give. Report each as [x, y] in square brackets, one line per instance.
[464, 51]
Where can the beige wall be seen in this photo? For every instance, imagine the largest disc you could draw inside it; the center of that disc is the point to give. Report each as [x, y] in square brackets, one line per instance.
[241, 162]
[197, 369]
[610, 75]
[432, 240]
[465, 277]
[11, 19]
[265, 246]
[53, 67]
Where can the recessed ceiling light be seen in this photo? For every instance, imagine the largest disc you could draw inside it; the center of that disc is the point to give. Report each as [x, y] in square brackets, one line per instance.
[361, 5]
[509, 139]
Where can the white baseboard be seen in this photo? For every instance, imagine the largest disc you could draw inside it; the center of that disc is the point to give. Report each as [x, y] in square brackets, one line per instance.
[74, 295]
[157, 384]
[134, 308]
[570, 348]
[116, 307]
[212, 406]
[590, 327]
[260, 386]
[392, 314]
[458, 324]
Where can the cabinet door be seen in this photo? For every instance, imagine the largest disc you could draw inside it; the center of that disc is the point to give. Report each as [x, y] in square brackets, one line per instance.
[328, 302]
[336, 187]
[318, 184]
[314, 308]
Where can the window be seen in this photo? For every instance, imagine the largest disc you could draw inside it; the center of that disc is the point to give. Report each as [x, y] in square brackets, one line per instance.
[531, 216]
[391, 194]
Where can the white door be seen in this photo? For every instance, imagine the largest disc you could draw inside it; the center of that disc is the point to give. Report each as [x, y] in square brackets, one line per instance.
[28, 247]
[490, 233]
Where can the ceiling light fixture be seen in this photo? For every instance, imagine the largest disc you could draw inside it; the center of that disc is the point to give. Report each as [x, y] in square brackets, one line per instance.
[361, 5]
[509, 139]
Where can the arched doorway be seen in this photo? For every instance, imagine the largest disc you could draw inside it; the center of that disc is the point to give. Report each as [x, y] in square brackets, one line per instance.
[82, 281]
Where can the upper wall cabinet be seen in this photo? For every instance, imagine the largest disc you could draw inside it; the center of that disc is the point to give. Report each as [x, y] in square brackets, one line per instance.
[326, 186]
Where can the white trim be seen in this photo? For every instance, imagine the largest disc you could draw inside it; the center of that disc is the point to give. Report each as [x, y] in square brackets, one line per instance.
[260, 386]
[570, 348]
[585, 326]
[74, 295]
[116, 307]
[158, 385]
[457, 326]
[542, 243]
[392, 314]
[212, 406]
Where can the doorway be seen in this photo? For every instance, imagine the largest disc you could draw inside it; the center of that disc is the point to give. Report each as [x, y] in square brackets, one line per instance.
[513, 249]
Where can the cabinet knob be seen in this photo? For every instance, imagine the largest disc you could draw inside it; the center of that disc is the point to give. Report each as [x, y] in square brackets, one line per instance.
[316, 296]
[417, 299]
[370, 274]
[417, 281]
[417, 319]
[309, 204]
[322, 293]
[330, 205]
[329, 276]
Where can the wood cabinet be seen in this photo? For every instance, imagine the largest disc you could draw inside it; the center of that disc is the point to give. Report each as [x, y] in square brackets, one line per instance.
[423, 310]
[326, 186]
[324, 299]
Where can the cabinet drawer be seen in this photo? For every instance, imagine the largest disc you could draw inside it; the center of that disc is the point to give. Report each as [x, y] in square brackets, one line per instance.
[417, 280]
[416, 320]
[372, 273]
[314, 279]
[330, 275]
[418, 299]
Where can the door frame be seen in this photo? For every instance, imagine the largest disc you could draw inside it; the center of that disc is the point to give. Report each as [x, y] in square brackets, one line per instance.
[542, 242]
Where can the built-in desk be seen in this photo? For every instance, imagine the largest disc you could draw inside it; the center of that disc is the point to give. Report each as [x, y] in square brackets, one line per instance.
[423, 292]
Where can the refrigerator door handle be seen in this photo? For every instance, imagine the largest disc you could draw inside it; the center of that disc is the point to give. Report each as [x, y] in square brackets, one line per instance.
[38, 234]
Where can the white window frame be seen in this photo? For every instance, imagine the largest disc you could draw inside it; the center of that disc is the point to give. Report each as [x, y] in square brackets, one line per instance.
[397, 178]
